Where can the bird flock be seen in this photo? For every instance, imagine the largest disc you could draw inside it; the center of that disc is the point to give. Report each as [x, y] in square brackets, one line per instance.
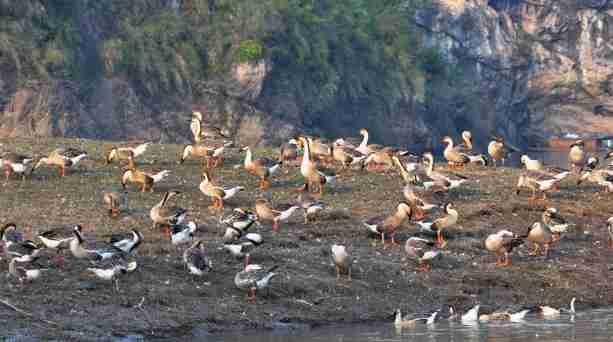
[427, 192]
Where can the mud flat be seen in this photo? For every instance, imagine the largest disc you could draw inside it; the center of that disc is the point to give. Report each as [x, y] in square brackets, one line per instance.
[161, 300]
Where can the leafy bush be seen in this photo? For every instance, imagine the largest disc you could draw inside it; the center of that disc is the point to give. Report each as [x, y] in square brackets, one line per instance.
[249, 50]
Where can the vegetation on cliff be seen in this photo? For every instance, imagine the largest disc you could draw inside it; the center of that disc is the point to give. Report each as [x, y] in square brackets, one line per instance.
[361, 55]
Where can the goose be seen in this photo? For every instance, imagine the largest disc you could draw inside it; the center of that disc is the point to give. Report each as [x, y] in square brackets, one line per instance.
[263, 168]
[364, 147]
[424, 251]
[577, 156]
[538, 182]
[539, 233]
[124, 152]
[15, 163]
[498, 150]
[58, 239]
[471, 316]
[610, 231]
[466, 147]
[211, 152]
[602, 177]
[24, 251]
[245, 246]
[345, 155]
[505, 316]
[383, 224]
[201, 133]
[455, 157]
[423, 200]
[144, 178]
[556, 223]
[342, 261]
[137, 177]
[320, 150]
[265, 212]
[401, 322]
[531, 164]
[163, 215]
[549, 312]
[237, 223]
[127, 242]
[62, 158]
[111, 271]
[183, 233]
[437, 226]
[380, 160]
[196, 260]
[502, 243]
[537, 165]
[253, 278]
[445, 179]
[288, 152]
[114, 201]
[409, 176]
[310, 206]
[97, 251]
[22, 274]
[218, 193]
[309, 171]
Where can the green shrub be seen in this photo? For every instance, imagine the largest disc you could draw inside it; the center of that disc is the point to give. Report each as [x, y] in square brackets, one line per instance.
[249, 50]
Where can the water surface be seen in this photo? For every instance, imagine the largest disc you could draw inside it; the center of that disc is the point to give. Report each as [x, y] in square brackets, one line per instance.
[594, 325]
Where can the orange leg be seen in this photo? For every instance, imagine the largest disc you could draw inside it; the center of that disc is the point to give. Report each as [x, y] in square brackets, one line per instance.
[419, 214]
[423, 267]
[275, 226]
[610, 242]
[440, 240]
[264, 184]
[507, 261]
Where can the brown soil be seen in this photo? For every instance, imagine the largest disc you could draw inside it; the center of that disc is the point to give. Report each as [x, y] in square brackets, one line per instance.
[162, 299]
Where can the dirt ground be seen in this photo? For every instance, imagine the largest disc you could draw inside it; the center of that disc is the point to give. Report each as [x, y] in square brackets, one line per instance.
[160, 299]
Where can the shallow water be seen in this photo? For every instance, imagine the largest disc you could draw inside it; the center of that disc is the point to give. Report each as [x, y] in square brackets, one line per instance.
[594, 325]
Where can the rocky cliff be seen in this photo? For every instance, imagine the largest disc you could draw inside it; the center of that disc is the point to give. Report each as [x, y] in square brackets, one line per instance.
[410, 70]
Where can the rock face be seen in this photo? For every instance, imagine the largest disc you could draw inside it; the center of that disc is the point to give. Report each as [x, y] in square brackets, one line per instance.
[521, 69]
[540, 68]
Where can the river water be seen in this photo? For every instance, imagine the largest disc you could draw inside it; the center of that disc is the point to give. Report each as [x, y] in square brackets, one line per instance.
[594, 325]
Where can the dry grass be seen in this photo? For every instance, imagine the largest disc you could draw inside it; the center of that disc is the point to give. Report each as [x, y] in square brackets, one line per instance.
[161, 299]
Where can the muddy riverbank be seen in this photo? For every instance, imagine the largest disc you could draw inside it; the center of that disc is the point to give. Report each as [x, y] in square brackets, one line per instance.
[160, 299]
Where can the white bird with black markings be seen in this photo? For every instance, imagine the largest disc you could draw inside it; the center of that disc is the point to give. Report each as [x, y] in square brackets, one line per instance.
[127, 242]
[401, 322]
[94, 251]
[182, 233]
[25, 251]
[57, 239]
[112, 270]
[549, 312]
[245, 246]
